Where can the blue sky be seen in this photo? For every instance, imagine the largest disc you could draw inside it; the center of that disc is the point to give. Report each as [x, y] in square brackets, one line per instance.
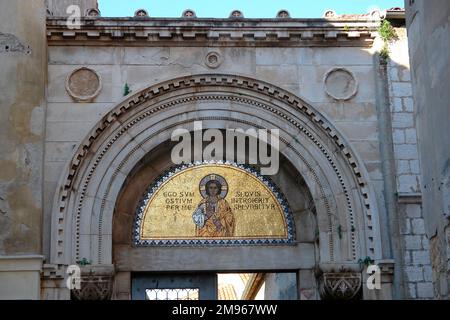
[250, 8]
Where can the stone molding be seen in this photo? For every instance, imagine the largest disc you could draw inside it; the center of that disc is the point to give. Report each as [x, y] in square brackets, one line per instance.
[214, 32]
[66, 206]
[53, 272]
[21, 263]
[20, 277]
[409, 198]
[387, 270]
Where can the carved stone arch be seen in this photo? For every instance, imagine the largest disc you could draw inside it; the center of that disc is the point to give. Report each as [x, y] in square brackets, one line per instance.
[84, 202]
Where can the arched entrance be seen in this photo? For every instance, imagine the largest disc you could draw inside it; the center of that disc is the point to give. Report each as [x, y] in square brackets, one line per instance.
[119, 154]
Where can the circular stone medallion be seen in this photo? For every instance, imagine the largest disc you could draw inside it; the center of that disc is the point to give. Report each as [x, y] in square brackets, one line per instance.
[83, 84]
[213, 60]
[340, 84]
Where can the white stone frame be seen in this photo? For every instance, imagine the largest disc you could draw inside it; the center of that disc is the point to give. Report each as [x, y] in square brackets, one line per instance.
[83, 207]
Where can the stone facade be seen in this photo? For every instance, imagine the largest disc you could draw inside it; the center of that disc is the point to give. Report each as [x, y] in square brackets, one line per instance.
[428, 34]
[350, 169]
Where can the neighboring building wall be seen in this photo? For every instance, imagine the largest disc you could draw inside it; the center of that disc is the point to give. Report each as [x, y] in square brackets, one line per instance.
[429, 45]
[22, 119]
[415, 245]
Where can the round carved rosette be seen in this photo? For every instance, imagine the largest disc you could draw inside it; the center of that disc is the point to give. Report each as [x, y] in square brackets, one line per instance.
[83, 84]
[340, 84]
[213, 60]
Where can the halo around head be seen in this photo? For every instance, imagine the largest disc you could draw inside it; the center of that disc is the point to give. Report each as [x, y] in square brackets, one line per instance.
[213, 177]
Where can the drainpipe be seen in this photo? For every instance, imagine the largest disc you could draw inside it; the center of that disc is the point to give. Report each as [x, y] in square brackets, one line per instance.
[389, 217]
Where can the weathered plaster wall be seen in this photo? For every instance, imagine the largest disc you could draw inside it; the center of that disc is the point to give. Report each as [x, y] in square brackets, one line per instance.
[429, 46]
[22, 84]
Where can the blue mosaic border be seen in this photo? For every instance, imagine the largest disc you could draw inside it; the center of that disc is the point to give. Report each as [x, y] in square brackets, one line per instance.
[212, 242]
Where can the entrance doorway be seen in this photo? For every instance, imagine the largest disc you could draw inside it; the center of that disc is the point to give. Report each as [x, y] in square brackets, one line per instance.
[174, 286]
[214, 286]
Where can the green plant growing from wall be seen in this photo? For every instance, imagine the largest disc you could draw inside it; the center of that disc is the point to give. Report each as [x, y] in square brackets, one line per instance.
[387, 34]
[84, 262]
[317, 235]
[126, 90]
[366, 261]
[339, 231]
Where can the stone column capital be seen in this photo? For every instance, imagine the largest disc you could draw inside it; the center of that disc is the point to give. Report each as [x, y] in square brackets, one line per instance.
[96, 283]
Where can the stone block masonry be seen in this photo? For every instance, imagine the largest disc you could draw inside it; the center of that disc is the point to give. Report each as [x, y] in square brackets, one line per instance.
[417, 264]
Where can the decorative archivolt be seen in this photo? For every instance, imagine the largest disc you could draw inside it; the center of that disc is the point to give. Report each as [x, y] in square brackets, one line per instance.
[241, 90]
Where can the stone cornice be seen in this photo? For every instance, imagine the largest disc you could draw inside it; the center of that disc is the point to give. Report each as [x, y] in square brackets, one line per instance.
[213, 32]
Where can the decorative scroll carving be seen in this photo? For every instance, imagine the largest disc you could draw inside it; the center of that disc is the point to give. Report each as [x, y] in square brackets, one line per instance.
[96, 283]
